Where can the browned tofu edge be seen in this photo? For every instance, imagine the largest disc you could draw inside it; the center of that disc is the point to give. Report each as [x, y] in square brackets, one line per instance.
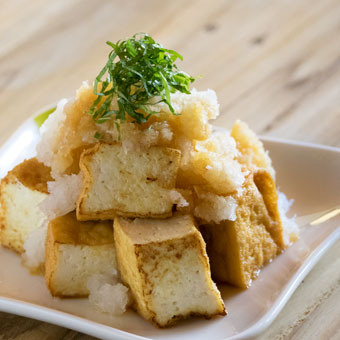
[30, 173]
[136, 251]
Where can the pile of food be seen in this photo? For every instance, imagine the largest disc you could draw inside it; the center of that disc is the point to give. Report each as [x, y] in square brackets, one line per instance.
[135, 201]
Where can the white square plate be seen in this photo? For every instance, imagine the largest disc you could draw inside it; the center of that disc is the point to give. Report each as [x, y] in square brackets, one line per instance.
[308, 173]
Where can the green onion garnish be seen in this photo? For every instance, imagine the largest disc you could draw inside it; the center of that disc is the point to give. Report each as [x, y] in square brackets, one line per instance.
[137, 70]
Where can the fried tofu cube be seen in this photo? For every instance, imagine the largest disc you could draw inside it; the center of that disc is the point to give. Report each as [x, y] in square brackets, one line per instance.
[257, 160]
[74, 252]
[21, 192]
[137, 183]
[165, 264]
[239, 249]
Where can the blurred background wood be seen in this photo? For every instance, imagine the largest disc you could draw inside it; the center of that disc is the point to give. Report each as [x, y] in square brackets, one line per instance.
[274, 64]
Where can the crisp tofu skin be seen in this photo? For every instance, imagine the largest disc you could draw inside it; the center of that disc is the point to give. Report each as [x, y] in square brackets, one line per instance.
[239, 249]
[21, 192]
[74, 252]
[133, 184]
[266, 185]
[166, 266]
[256, 159]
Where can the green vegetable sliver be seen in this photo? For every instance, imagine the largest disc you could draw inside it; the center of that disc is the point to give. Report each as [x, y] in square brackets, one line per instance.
[40, 119]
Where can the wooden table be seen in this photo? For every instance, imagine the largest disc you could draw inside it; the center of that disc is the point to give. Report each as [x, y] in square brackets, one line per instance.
[274, 64]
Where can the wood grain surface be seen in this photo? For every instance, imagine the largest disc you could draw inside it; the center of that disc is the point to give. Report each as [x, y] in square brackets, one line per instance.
[274, 64]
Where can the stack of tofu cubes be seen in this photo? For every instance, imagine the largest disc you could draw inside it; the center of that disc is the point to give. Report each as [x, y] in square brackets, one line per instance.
[161, 256]
[169, 206]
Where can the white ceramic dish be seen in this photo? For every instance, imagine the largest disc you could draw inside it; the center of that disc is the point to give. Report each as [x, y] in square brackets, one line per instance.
[309, 173]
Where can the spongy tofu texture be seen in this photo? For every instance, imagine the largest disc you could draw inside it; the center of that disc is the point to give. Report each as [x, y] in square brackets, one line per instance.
[238, 249]
[165, 264]
[21, 192]
[135, 183]
[74, 252]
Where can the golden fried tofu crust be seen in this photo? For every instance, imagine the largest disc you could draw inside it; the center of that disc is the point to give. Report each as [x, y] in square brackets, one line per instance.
[32, 174]
[74, 252]
[165, 264]
[257, 160]
[266, 185]
[239, 249]
[21, 192]
[68, 230]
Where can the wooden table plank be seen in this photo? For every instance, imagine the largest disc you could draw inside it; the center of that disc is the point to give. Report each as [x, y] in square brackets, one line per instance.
[274, 64]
